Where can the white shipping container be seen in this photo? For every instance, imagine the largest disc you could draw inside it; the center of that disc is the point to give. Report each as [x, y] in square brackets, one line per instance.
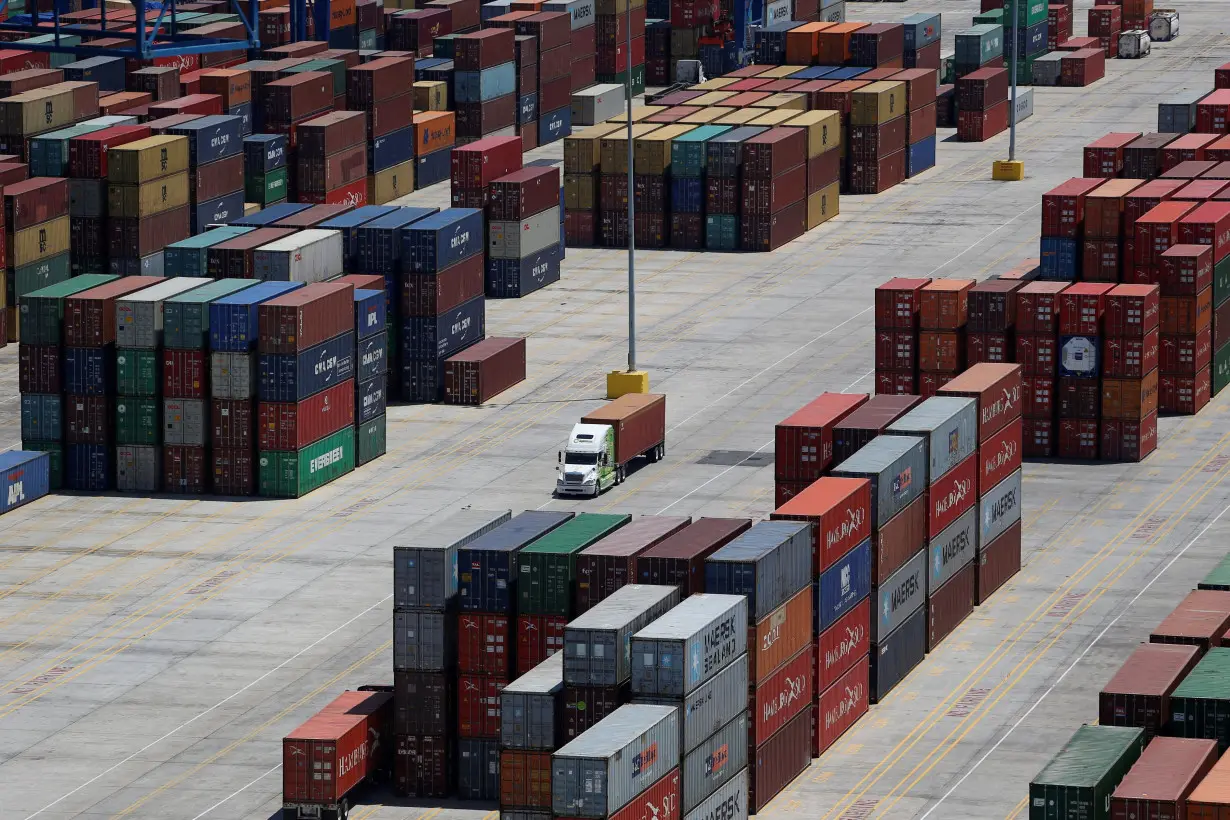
[581, 11]
[689, 645]
[1163, 25]
[425, 565]
[714, 762]
[1024, 106]
[138, 468]
[952, 549]
[138, 316]
[597, 103]
[727, 803]
[598, 644]
[232, 375]
[517, 240]
[600, 772]
[832, 13]
[711, 705]
[530, 705]
[184, 421]
[1134, 44]
[311, 255]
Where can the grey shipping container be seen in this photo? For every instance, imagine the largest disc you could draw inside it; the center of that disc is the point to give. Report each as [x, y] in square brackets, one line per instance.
[1178, 114]
[519, 238]
[897, 469]
[900, 596]
[232, 375]
[948, 426]
[999, 509]
[1078, 781]
[185, 421]
[1048, 69]
[596, 104]
[727, 803]
[425, 569]
[952, 549]
[530, 707]
[894, 657]
[311, 255]
[478, 769]
[424, 640]
[138, 469]
[598, 645]
[715, 761]
[600, 772]
[711, 705]
[689, 645]
[138, 316]
[769, 563]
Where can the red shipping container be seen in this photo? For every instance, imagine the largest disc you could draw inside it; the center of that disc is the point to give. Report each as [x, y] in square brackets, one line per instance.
[332, 752]
[484, 645]
[234, 470]
[184, 470]
[1078, 439]
[184, 373]
[930, 382]
[423, 765]
[553, 29]
[1036, 353]
[1101, 260]
[896, 541]
[1145, 198]
[949, 605]
[1106, 21]
[871, 142]
[945, 304]
[898, 303]
[314, 313]
[953, 494]
[1038, 307]
[1221, 76]
[920, 85]
[1208, 224]
[1104, 208]
[538, 638]
[804, 440]
[1199, 190]
[1129, 399]
[896, 349]
[661, 801]
[1081, 308]
[1186, 354]
[997, 387]
[839, 508]
[1187, 314]
[203, 104]
[610, 564]
[483, 49]
[89, 316]
[992, 305]
[875, 177]
[484, 370]
[480, 163]
[999, 456]
[525, 777]
[894, 383]
[1104, 156]
[780, 636]
[982, 89]
[980, 126]
[776, 151]
[1126, 358]
[232, 422]
[294, 425]
[998, 562]
[680, 559]
[1185, 270]
[782, 695]
[31, 201]
[1129, 440]
[1078, 398]
[764, 197]
[841, 705]
[1161, 780]
[1184, 395]
[1200, 619]
[1184, 154]
[1213, 113]
[87, 419]
[38, 367]
[841, 646]
[1139, 693]
[1082, 68]
[524, 193]
[775, 764]
[436, 294]
[941, 351]
[1038, 438]
[478, 705]
[1132, 310]
[1063, 208]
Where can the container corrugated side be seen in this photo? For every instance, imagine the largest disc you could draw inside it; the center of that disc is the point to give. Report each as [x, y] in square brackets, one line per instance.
[1159, 782]
[949, 428]
[1080, 778]
[769, 564]
[311, 255]
[139, 316]
[999, 509]
[423, 640]
[547, 567]
[425, 571]
[478, 769]
[488, 566]
[727, 803]
[702, 635]
[952, 549]
[530, 707]
[24, 477]
[900, 596]
[597, 645]
[1139, 693]
[711, 705]
[897, 469]
[716, 760]
[601, 771]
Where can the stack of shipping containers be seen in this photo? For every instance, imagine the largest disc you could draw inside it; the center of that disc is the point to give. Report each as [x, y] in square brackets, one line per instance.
[982, 104]
[1078, 389]
[897, 305]
[264, 169]
[332, 161]
[1105, 23]
[803, 443]
[531, 728]
[484, 83]
[215, 169]
[524, 245]
[1032, 27]
[991, 321]
[920, 88]
[372, 365]
[1130, 357]
[941, 341]
[36, 230]
[1037, 351]
[680, 559]
[1207, 225]
[878, 133]
[425, 600]
[687, 186]
[723, 186]
[771, 564]
[695, 658]
[87, 167]
[613, 63]
[921, 46]
[147, 202]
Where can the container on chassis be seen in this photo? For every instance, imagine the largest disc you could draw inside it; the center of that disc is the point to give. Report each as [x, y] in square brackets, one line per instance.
[1080, 779]
[639, 421]
[531, 707]
[425, 571]
[611, 563]
[1139, 693]
[598, 644]
[680, 559]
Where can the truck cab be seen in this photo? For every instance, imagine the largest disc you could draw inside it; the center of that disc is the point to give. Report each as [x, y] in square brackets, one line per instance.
[587, 466]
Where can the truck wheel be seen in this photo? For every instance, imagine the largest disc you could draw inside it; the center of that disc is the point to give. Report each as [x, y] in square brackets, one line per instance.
[343, 810]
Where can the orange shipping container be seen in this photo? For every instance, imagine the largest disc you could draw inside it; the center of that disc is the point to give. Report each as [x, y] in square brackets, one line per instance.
[1211, 799]
[1129, 399]
[779, 636]
[341, 14]
[525, 779]
[833, 44]
[233, 85]
[434, 130]
[940, 349]
[945, 304]
[801, 43]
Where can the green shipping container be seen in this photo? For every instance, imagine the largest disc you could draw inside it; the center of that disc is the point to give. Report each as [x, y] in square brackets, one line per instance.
[1078, 782]
[1221, 282]
[137, 421]
[190, 257]
[948, 68]
[1025, 69]
[42, 311]
[1028, 12]
[688, 152]
[548, 566]
[638, 79]
[185, 318]
[265, 189]
[1221, 368]
[722, 232]
[36, 276]
[980, 44]
[372, 440]
[367, 39]
[137, 373]
[295, 473]
[55, 458]
[1219, 578]
[1200, 707]
[994, 17]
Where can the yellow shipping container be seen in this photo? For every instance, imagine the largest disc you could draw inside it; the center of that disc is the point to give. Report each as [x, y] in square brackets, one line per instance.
[652, 152]
[583, 149]
[150, 198]
[37, 111]
[712, 98]
[38, 242]
[740, 116]
[144, 160]
[4, 288]
[581, 192]
[431, 95]
[777, 116]
[823, 130]
[877, 103]
[615, 147]
[780, 72]
[250, 208]
[715, 84]
[387, 185]
[704, 116]
[638, 114]
[823, 205]
[785, 100]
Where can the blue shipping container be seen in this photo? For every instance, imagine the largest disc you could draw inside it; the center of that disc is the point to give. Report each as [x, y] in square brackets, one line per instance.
[426, 337]
[211, 138]
[847, 73]
[422, 380]
[843, 585]
[87, 467]
[372, 357]
[217, 211]
[422, 66]
[920, 156]
[380, 241]
[391, 149]
[442, 240]
[263, 153]
[108, 72]
[370, 312]
[272, 214]
[88, 371]
[527, 108]
[294, 377]
[24, 477]
[767, 564]
[1032, 40]
[244, 112]
[349, 223]
[488, 567]
[687, 195]
[432, 168]
[233, 322]
[555, 125]
[814, 72]
[1061, 259]
[485, 85]
[371, 399]
[514, 278]
[42, 417]
[894, 657]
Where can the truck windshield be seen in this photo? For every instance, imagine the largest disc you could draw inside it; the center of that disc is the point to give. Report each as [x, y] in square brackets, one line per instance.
[581, 458]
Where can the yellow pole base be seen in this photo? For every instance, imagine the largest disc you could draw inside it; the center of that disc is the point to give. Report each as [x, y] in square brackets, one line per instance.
[622, 382]
[1008, 170]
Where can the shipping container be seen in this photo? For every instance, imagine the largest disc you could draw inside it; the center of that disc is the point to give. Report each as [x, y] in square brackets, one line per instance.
[842, 586]
[779, 760]
[710, 705]
[478, 705]
[768, 564]
[715, 761]
[294, 377]
[598, 644]
[423, 765]
[292, 474]
[425, 573]
[24, 477]
[525, 780]
[531, 707]
[342, 739]
[89, 316]
[728, 802]
[841, 645]
[896, 467]
[1080, 779]
[1200, 619]
[679, 559]
[548, 566]
[1139, 693]
[611, 563]
[709, 629]
[804, 440]
[838, 509]
[868, 421]
[897, 654]
[424, 702]
[488, 567]
[424, 640]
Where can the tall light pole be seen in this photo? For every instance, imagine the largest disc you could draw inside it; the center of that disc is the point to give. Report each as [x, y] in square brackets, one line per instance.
[1011, 170]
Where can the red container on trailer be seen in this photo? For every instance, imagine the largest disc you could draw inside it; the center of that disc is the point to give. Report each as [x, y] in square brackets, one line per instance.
[484, 643]
[841, 646]
[1038, 307]
[997, 388]
[1132, 310]
[998, 562]
[839, 509]
[1130, 358]
[1139, 693]
[1186, 269]
[680, 559]
[89, 316]
[780, 636]
[804, 440]
[781, 695]
[295, 425]
[538, 638]
[1081, 308]
[841, 705]
[1207, 224]
[525, 777]
[478, 705]
[950, 496]
[185, 373]
[898, 303]
[779, 760]
[1185, 395]
[1063, 208]
[1200, 619]
[1104, 156]
[184, 470]
[331, 753]
[312, 314]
